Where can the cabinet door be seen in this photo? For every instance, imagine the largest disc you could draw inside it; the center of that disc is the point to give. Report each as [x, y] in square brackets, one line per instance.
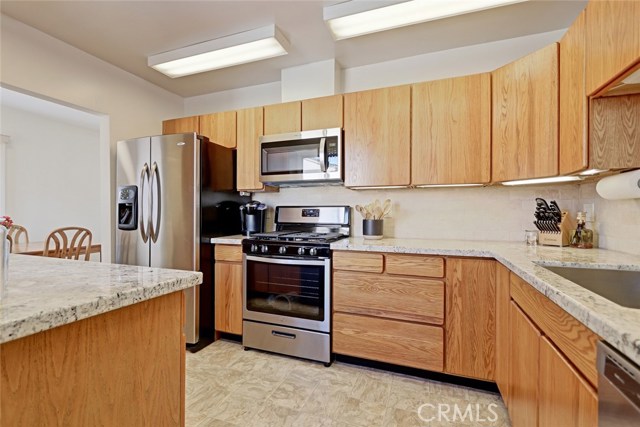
[282, 118]
[228, 297]
[613, 40]
[525, 117]
[451, 131]
[573, 99]
[220, 128]
[503, 340]
[249, 128]
[377, 125]
[523, 395]
[566, 399]
[470, 317]
[322, 113]
[183, 125]
[615, 132]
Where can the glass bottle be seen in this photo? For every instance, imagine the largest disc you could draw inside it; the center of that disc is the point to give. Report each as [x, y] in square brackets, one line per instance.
[583, 236]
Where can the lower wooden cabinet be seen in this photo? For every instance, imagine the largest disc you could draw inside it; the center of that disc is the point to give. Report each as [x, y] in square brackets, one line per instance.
[503, 330]
[228, 289]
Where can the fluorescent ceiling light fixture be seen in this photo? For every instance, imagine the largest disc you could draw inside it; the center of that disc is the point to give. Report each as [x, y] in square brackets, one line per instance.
[356, 18]
[590, 172]
[448, 185]
[552, 180]
[254, 45]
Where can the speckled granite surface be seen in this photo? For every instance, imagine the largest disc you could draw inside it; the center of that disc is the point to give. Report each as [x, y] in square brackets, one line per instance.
[619, 326]
[228, 240]
[45, 292]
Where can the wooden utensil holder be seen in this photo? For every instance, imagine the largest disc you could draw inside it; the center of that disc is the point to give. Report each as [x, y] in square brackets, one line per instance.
[558, 238]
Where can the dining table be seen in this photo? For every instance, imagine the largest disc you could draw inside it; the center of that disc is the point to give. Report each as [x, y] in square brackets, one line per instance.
[37, 248]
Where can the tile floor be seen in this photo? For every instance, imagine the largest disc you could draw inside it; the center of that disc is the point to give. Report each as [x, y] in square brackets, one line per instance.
[227, 386]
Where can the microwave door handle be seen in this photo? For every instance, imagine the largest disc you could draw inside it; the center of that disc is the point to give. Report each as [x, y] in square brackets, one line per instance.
[323, 154]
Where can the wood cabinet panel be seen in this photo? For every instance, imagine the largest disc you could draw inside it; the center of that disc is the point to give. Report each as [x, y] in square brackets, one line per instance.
[322, 113]
[228, 297]
[400, 298]
[615, 132]
[220, 128]
[573, 136]
[183, 125]
[613, 40]
[415, 265]
[282, 118]
[249, 129]
[525, 117]
[503, 329]
[566, 399]
[471, 317]
[524, 393]
[358, 261]
[451, 131]
[97, 371]
[377, 125]
[574, 339]
[391, 341]
[231, 253]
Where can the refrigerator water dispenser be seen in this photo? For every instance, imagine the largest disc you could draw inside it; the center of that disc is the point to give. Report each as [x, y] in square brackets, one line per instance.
[128, 207]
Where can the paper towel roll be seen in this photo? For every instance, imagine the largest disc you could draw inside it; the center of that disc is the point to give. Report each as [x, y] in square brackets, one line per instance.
[623, 186]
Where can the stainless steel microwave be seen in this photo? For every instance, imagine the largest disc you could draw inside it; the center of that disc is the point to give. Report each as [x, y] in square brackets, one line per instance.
[312, 157]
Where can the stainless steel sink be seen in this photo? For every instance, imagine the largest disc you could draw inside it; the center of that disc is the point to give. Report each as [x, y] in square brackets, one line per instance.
[621, 287]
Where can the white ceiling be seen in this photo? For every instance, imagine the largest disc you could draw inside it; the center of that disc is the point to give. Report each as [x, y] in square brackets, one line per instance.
[124, 33]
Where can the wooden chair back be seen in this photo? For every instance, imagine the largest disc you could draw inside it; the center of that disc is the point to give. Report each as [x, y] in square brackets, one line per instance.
[16, 232]
[10, 239]
[68, 243]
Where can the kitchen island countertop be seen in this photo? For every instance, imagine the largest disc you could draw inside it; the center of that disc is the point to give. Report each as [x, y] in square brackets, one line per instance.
[619, 326]
[44, 293]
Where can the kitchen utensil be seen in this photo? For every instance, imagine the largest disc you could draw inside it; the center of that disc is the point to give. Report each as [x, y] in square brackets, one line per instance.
[386, 209]
[377, 212]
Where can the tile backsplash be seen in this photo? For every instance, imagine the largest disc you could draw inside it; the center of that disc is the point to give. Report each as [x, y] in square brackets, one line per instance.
[487, 213]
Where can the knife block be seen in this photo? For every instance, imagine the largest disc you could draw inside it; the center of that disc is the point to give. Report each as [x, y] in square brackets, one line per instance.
[555, 238]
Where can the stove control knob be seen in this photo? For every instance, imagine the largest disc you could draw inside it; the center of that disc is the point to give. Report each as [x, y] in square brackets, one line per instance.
[282, 250]
[313, 251]
[301, 250]
[264, 249]
[254, 248]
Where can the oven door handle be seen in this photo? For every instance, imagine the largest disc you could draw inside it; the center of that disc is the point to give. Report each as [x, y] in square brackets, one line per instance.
[268, 260]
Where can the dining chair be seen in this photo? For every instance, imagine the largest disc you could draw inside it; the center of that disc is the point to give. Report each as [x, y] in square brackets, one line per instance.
[68, 243]
[17, 231]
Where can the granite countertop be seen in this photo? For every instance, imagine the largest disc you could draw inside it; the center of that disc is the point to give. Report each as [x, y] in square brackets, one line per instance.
[619, 326]
[44, 293]
[236, 239]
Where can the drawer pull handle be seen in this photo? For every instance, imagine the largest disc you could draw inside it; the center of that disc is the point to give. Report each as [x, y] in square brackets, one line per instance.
[283, 335]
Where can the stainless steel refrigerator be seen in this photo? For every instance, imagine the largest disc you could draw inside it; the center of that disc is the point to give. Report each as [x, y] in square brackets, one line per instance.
[160, 183]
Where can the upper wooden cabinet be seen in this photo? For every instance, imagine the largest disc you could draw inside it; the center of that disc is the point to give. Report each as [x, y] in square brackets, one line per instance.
[282, 118]
[183, 125]
[525, 117]
[377, 127]
[613, 40]
[220, 128]
[451, 131]
[322, 113]
[574, 138]
[249, 130]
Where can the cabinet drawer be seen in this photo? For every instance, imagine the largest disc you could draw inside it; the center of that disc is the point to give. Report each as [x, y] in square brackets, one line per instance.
[358, 261]
[232, 253]
[401, 298]
[391, 341]
[415, 265]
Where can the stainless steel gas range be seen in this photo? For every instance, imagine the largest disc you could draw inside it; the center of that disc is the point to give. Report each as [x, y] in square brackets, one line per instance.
[287, 281]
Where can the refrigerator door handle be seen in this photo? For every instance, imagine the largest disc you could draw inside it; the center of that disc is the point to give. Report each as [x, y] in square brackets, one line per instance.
[144, 172]
[154, 229]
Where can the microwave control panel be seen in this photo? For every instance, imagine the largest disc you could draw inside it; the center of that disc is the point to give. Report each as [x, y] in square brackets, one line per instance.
[332, 155]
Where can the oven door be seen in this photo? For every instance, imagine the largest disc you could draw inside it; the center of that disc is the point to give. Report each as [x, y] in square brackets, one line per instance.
[288, 291]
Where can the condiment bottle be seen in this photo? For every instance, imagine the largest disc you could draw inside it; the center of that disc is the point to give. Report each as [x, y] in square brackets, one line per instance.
[583, 236]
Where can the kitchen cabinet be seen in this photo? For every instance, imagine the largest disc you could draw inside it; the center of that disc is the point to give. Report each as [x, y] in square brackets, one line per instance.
[613, 41]
[377, 128]
[282, 118]
[503, 330]
[228, 289]
[470, 327]
[249, 130]
[524, 371]
[573, 132]
[220, 128]
[322, 113]
[182, 125]
[525, 117]
[451, 131]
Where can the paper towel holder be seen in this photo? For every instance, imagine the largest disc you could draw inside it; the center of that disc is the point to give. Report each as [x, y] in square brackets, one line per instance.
[625, 185]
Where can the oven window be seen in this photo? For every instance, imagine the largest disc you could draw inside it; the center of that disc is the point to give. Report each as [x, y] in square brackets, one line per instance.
[286, 290]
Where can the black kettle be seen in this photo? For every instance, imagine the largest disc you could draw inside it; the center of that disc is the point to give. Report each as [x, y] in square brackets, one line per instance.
[252, 217]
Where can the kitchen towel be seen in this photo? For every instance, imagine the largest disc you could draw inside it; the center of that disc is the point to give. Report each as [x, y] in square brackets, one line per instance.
[623, 186]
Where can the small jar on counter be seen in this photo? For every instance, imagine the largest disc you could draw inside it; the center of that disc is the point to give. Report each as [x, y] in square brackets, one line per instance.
[582, 237]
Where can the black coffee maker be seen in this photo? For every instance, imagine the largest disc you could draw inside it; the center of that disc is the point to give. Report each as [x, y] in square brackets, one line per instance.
[252, 217]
